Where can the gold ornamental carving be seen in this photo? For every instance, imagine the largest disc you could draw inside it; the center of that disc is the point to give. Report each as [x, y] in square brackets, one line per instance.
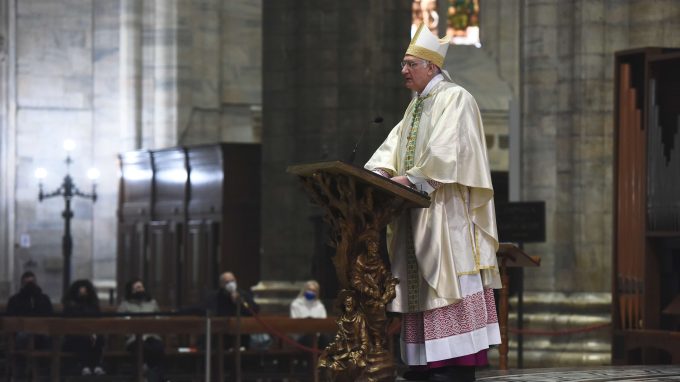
[356, 213]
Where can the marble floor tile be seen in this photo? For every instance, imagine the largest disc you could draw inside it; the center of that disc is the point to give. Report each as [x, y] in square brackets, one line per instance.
[597, 374]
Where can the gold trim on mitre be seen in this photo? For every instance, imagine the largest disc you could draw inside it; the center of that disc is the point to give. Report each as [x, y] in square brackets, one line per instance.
[427, 46]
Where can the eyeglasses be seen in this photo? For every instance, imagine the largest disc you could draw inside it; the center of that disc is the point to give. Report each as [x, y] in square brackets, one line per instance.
[412, 64]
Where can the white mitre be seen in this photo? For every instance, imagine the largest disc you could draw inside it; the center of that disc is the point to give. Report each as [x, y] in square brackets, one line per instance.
[427, 46]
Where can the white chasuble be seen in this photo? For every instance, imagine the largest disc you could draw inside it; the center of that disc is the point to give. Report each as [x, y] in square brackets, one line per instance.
[457, 234]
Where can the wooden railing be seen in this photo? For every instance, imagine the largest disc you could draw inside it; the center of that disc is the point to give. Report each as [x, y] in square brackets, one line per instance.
[57, 328]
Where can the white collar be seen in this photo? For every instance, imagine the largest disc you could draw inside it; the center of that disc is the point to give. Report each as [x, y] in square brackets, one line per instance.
[434, 81]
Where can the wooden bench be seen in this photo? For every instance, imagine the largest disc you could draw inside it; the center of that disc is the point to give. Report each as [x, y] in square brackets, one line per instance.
[56, 328]
[644, 340]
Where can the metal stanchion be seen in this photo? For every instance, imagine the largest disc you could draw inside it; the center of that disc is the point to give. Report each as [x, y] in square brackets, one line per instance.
[237, 344]
[208, 346]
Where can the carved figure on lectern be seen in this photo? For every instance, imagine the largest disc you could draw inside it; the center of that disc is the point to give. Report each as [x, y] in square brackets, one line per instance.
[376, 286]
[345, 356]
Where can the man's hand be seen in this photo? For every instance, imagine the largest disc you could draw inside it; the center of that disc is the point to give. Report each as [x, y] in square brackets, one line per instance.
[403, 180]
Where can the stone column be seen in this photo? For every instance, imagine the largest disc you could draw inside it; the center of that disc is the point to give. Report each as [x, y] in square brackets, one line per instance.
[329, 68]
[547, 168]
[166, 74]
[568, 138]
[131, 74]
[7, 144]
[591, 150]
[110, 42]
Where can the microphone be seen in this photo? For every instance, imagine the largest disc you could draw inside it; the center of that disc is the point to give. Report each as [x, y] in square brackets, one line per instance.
[377, 120]
[242, 301]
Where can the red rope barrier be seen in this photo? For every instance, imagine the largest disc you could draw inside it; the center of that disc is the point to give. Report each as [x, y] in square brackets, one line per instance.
[555, 333]
[394, 328]
[282, 336]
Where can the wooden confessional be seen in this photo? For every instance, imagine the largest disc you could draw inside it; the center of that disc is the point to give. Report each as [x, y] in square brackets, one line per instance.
[186, 214]
[646, 258]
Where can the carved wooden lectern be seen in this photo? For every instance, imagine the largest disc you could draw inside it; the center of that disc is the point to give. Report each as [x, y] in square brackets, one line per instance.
[358, 204]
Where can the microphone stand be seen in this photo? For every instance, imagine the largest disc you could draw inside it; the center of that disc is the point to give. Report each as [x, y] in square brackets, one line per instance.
[376, 121]
[208, 346]
[237, 344]
[356, 146]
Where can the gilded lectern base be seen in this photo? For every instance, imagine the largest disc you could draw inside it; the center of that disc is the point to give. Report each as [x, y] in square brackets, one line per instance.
[358, 204]
[379, 367]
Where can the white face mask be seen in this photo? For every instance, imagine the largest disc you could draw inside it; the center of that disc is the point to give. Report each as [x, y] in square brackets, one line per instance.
[230, 286]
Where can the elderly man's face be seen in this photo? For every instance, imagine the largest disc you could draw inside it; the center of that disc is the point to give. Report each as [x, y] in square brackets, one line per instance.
[227, 277]
[417, 73]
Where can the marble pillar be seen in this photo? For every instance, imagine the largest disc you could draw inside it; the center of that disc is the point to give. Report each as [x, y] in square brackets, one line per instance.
[131, 74]
[166, 73]
[329, 68]
[567, 86]
[7, 143]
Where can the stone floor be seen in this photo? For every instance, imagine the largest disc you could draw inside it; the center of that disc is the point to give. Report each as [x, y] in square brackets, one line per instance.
[596, 374]
[591, 374]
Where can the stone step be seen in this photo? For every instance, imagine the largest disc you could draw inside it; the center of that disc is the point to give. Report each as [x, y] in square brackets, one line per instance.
[274, 288]
[558, 320]
[544, 344]
[557, 312]
[548, 359]
[564, 302]
[559, 323]
[274, 297]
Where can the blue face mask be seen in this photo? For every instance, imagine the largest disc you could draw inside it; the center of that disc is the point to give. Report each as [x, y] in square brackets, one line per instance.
[309, 295]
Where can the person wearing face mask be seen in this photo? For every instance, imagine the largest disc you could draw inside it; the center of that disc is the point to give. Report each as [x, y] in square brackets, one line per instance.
[81, 301]
[138, 301]
[229, 298]
[30, 301]
[308, 305]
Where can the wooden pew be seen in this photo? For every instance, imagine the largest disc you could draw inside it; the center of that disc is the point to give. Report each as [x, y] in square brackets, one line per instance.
[57, 328]
[250, 325]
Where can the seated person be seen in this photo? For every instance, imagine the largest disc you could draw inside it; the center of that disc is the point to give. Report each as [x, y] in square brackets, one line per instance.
[308, 305]
[228, 300]
[229, 297]
[29, 301]
[81, 301]
[137, 300]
